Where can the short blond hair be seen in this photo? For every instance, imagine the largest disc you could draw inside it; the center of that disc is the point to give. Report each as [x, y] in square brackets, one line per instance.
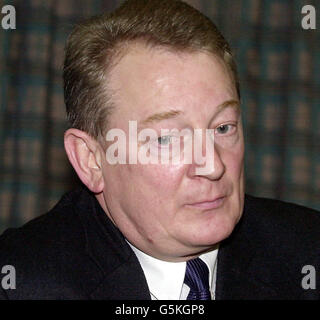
[93, 46]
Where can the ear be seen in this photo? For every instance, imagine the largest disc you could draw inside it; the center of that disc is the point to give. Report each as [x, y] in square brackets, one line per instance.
[84, 154]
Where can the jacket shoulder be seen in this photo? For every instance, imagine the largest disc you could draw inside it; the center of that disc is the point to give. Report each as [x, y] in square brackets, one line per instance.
[286, 214]
[48, 253]
[286, 230]
[45, 231]
[265, 255]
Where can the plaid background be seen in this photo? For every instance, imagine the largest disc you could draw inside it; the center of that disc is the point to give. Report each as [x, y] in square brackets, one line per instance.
[279, 65]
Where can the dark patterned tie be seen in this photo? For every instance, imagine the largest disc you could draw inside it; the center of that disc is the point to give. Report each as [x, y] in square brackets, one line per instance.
[197, 279]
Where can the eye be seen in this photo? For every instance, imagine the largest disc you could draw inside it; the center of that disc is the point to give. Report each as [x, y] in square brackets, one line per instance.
[164, 140]
[225, 128]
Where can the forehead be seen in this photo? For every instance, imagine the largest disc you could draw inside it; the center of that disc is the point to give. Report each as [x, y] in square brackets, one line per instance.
[153, 78]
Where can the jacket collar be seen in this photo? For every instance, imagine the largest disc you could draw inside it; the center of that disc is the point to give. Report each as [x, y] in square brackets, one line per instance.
[119, 275]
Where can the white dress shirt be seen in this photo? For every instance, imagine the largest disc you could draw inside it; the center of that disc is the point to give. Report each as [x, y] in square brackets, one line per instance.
[166, 279]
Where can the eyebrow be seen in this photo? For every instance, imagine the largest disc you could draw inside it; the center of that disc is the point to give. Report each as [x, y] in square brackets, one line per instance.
[174, 113]
[229, 103]
[162, 116]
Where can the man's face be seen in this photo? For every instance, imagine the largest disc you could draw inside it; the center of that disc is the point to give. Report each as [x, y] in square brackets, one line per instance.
[170, 211]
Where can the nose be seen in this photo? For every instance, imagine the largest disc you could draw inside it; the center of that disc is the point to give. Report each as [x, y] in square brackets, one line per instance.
[211, 166]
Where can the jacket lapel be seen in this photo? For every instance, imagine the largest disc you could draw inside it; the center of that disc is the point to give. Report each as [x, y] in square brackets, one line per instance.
[237, 265]
[235, 282]
[127, 282]
[118, 275]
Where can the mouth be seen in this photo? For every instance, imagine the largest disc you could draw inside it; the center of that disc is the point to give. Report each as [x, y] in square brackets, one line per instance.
[209, 204]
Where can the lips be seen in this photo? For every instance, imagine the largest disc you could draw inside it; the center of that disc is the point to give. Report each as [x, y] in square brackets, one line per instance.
[209, 204]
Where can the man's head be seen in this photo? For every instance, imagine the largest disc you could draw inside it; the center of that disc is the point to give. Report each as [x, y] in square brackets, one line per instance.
[165, 66]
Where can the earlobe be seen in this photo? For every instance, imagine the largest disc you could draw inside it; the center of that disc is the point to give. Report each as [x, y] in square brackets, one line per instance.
[83, 154]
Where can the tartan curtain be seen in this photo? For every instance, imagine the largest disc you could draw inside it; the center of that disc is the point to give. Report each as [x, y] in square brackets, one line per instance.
[279, 67]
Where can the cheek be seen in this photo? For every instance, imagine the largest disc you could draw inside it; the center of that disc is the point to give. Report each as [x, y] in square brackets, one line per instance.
[235, 174]
[164, 180]
[235, 160]
[159, 183]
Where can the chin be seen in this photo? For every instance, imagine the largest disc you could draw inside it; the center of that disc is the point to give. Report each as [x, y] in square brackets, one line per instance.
[210, 234]
[219, 229]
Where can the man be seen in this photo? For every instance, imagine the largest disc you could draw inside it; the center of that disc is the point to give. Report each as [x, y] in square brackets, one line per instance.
[146, 228]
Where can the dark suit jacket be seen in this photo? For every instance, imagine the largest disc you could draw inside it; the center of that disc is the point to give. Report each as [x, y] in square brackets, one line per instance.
[75, 252]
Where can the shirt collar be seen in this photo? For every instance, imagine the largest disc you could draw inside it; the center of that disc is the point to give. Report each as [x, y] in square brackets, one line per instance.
[210, 259]
[165, 279]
